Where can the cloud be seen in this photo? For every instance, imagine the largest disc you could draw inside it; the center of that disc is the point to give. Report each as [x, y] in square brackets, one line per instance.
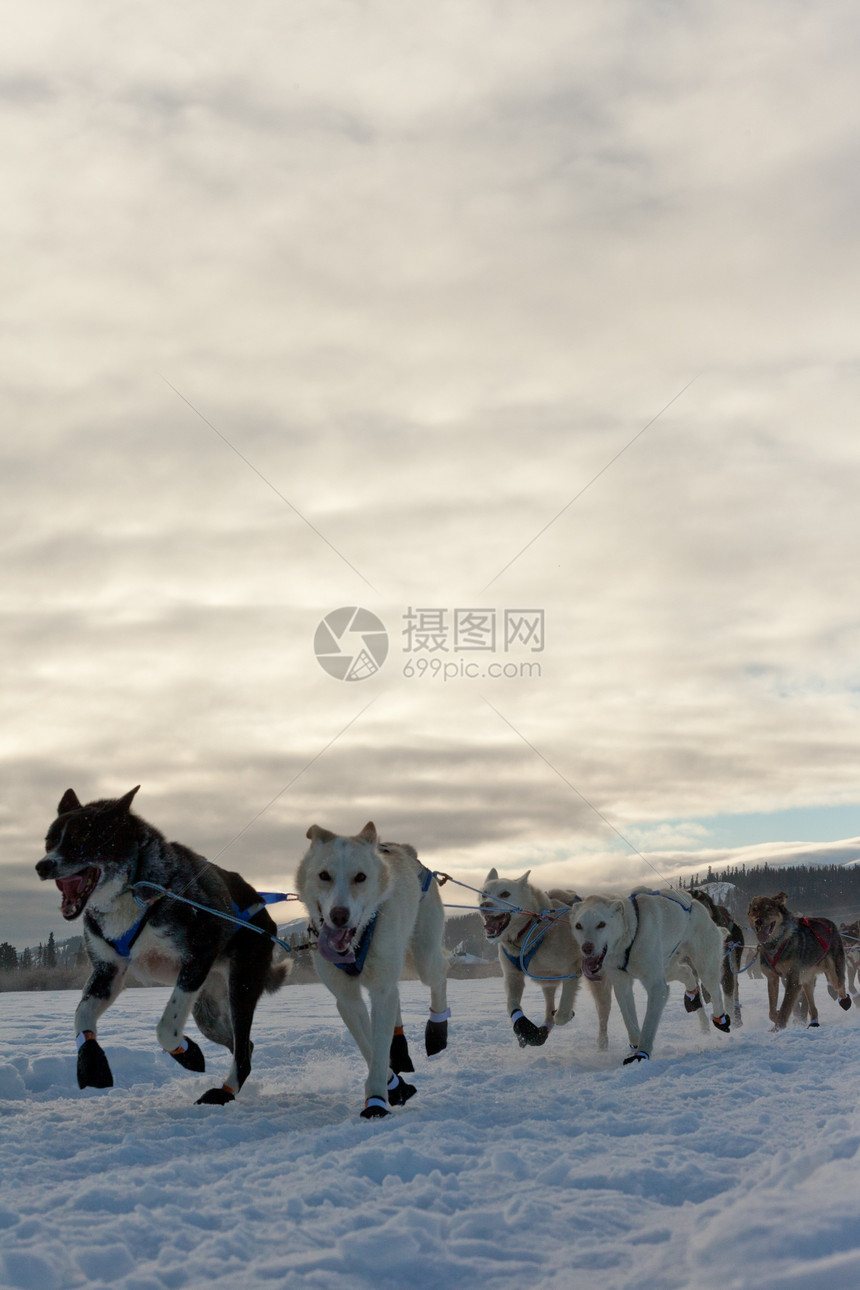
[428, 271]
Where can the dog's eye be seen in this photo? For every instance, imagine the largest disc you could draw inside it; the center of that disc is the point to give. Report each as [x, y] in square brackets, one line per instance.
[324, 875]
[360, 877]
[578, 926]
[503, 895]
[599, 925]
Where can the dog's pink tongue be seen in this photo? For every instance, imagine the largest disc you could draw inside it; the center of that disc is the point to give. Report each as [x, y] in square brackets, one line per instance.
[591, 966]
[335, 944]
[71, 889]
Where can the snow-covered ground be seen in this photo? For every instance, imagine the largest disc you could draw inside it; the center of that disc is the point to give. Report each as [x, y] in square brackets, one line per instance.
[727, 1162]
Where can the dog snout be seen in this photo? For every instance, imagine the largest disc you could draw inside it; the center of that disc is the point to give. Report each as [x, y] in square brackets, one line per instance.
[588, 947]
[339, 916]
[46, 868]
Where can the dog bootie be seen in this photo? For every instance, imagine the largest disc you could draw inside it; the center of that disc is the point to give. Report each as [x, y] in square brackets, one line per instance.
[436, 1032]
[845, 1002]
[374, 1109]
[814, 1025]
[217, 1097]
[188, 1054]
[723, 1023]
[93, 1068]
[399, 1058]
[636, 1056]
[528, 1034]
[692, 1002]
[399, 1092]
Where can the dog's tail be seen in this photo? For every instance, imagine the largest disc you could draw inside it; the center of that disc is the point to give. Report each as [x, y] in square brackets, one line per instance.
[277, 974]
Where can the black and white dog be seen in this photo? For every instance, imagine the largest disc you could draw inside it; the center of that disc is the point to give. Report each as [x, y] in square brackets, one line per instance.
[96, 854]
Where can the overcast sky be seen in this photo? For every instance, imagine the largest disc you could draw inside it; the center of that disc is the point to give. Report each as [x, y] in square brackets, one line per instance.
[345, 304]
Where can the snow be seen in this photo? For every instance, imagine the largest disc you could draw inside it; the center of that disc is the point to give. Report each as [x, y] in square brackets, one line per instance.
[726, 1162]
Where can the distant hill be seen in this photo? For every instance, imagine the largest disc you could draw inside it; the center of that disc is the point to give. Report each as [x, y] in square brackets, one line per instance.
[829, 890]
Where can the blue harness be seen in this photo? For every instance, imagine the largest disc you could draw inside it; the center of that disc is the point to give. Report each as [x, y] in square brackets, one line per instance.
[354, 969]
[265, 898]
[522, 960]
[126, 941]
[630, 946]
[124, 944]
[425, 876]
[666, 896]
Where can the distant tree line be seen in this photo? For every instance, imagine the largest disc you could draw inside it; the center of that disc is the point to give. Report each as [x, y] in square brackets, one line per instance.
[809, 888]
[70, 953]
[65, 966]
[47, 966]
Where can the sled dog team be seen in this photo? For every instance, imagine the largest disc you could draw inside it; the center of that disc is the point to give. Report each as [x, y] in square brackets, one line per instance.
[182, 920]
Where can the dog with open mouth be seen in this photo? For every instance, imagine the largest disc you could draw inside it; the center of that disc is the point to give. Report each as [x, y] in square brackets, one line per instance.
[510, 909]
[652, 937]
[97, 854]
[370, 903]
[795, 950]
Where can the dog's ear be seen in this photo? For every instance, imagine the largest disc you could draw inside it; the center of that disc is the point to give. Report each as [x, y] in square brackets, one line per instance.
[68, 802]
[780, 898]
[524, 877]
[316, 834]
[492, 876]
[619, 906]
[124, 803]
[368, 834]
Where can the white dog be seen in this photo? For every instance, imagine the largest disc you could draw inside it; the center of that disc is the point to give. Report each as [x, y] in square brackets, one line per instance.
[370, 902]
[653, 938]
[545, 951]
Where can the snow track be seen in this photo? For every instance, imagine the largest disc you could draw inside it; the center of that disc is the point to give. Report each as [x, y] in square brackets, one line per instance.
[726, 1161]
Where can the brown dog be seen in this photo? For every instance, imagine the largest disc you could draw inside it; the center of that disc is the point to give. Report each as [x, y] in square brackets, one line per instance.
[796, 949]
[733, 952]
[851, 940]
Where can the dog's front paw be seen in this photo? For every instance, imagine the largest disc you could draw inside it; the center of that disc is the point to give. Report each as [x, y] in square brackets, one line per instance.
[399, 1059]
[723, 1023]
[399, 1092]
[216, 1097]
[189, 1056]
[374, 1109]
[435, 1038]
[93, 1068]
[845, 1002]
[528, 1034]
[692, 1002]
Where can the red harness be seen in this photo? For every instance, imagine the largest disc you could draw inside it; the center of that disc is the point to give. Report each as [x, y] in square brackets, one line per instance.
[812, 924]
